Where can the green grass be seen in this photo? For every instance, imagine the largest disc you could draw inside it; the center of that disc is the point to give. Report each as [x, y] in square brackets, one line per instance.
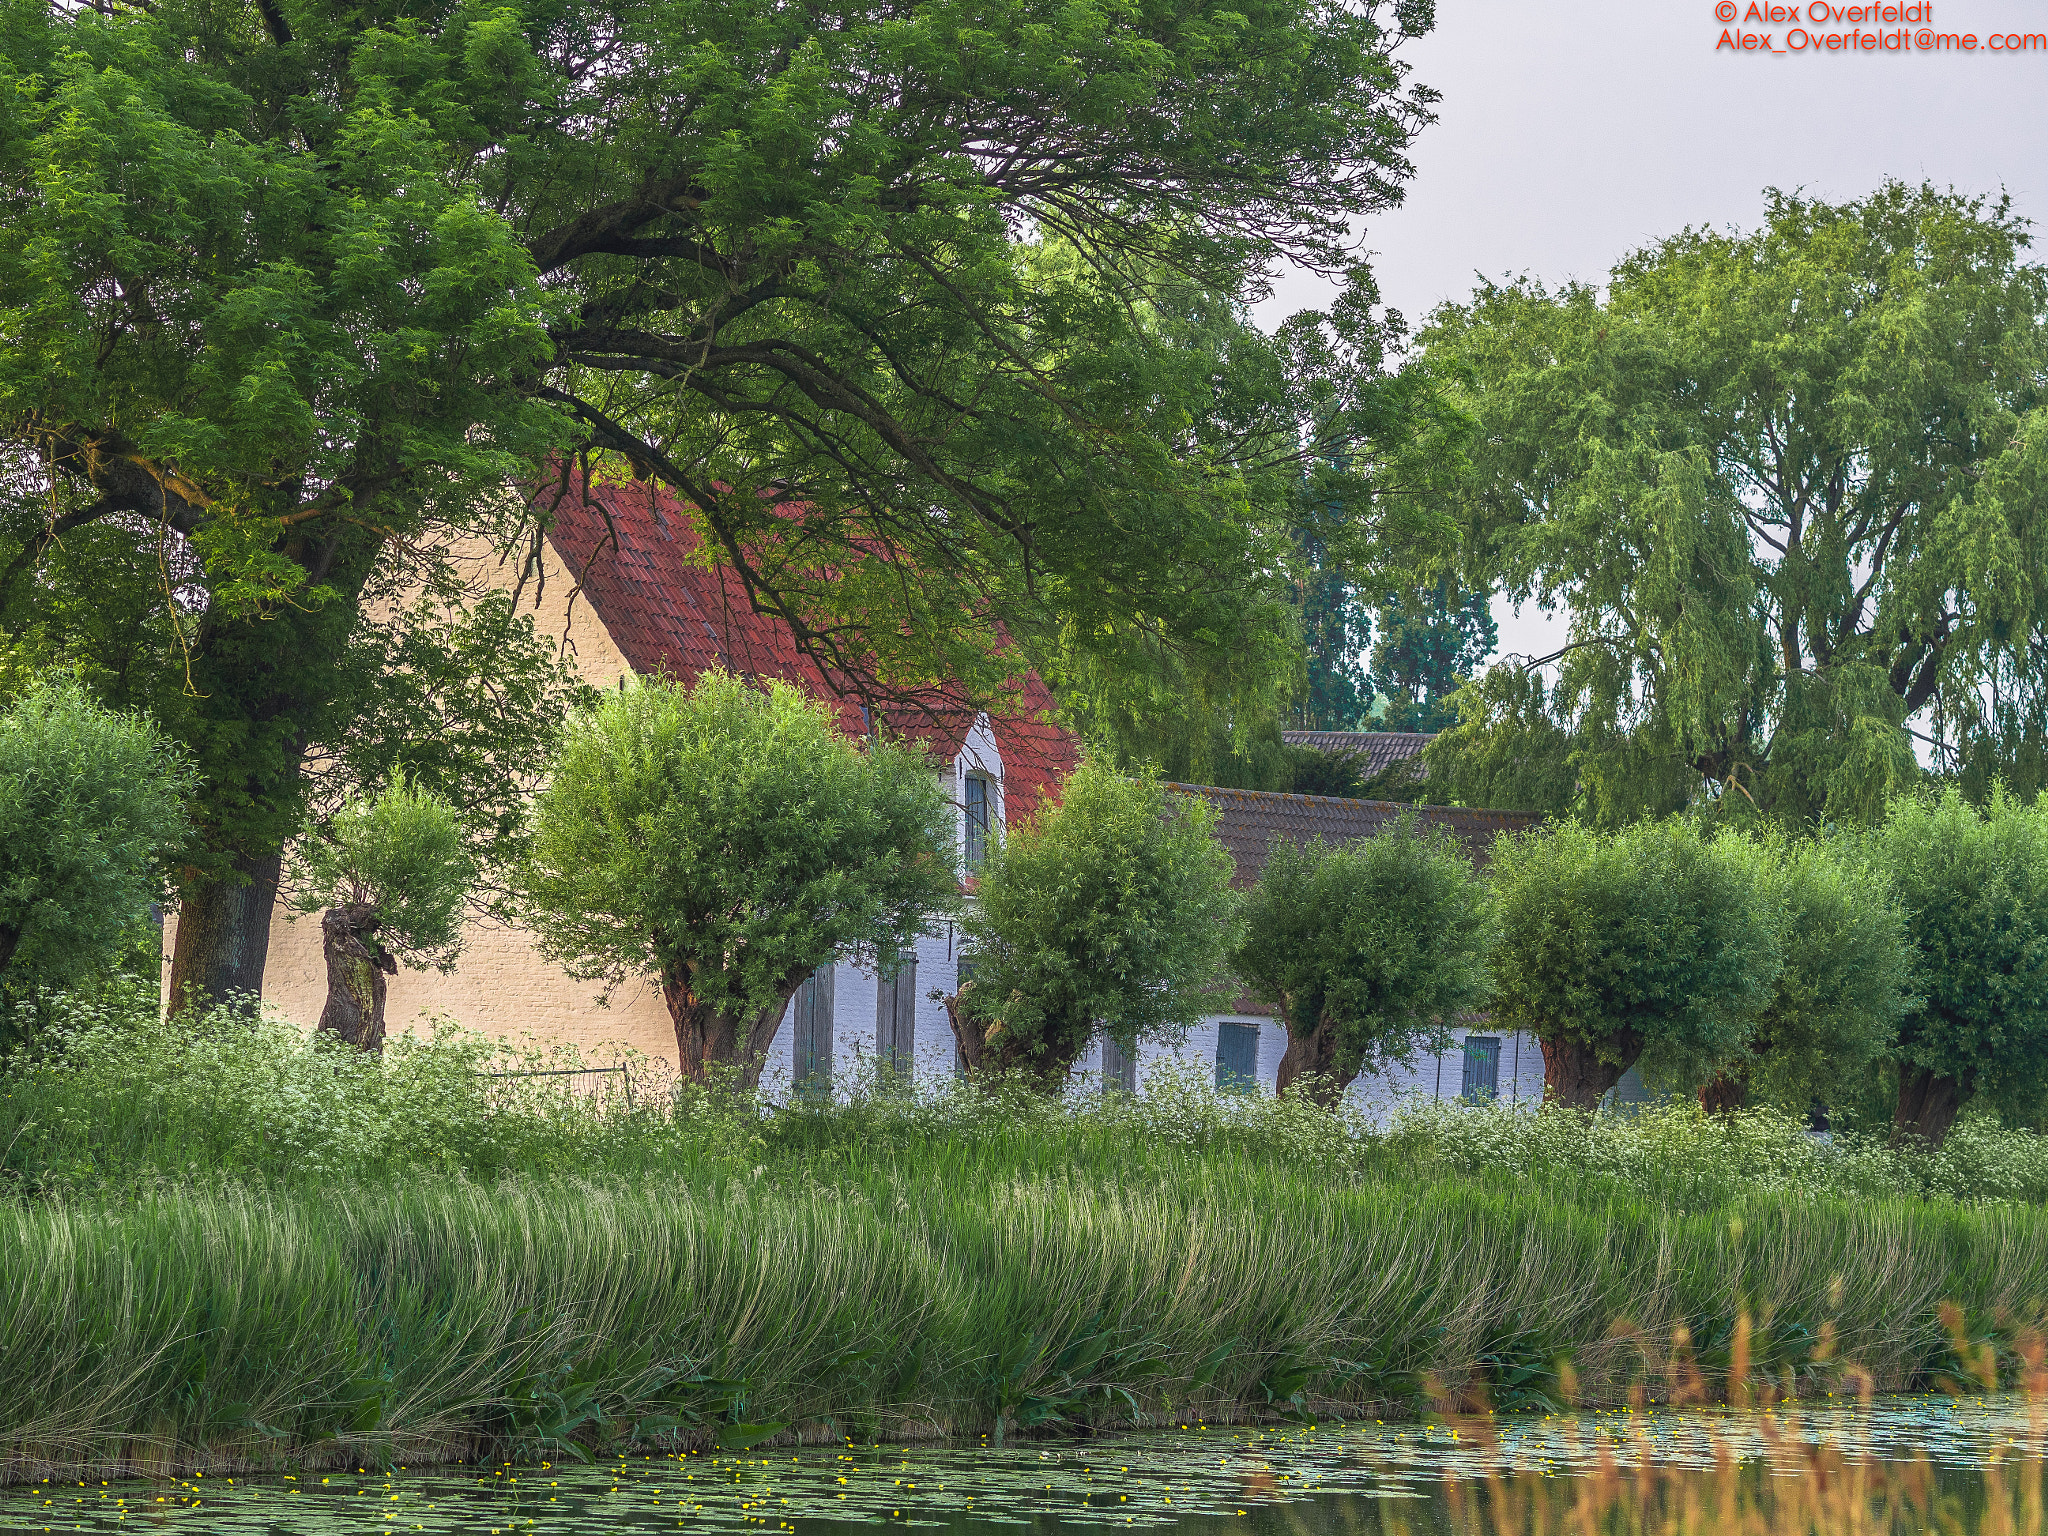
[227, 1245]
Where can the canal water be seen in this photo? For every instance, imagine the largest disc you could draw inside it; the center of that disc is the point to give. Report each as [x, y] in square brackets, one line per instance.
[1932, 1462]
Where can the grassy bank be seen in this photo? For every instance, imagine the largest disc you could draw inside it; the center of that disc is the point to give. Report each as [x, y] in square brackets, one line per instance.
[227, 1245]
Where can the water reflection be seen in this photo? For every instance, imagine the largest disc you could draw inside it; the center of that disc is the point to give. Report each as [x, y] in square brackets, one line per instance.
[1894, 1464]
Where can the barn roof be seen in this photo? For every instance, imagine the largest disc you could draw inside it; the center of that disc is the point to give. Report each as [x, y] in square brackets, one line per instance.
[1251, 819]
[635, 551]
[1375, 750]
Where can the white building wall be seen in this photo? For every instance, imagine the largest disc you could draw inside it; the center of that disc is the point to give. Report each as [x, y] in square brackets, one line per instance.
[1429, 1076]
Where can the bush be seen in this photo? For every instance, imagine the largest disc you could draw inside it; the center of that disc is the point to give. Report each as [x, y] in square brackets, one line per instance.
[1112, 911]
[1653, 938]
[91, 808]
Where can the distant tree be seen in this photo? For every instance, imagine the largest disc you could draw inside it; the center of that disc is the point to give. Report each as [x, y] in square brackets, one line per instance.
[1430, 643]
[1614, 943]
[91, 814]
[1312, 771]
[1111, 912]
[1336, 629]
[728, 841]
[392, 875]
[1788, 483]
[1843, 985]
[1369, 951]
[1974, 886]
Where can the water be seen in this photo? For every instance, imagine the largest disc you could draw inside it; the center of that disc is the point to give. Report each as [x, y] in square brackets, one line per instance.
[1326, 1480]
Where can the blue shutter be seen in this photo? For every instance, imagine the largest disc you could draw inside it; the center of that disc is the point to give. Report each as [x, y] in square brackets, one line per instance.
[1119, 1068]
[1237, 1058]
[812, 1046]
[896, 1014]
[1482, 1069]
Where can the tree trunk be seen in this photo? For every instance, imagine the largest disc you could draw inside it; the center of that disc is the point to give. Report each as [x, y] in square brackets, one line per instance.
[1575, 1076]
[1928, 1105]
[356, 971]
[224, 935]
[973, 1045]
[1312, 1052]
[1725, 1093]
[707, 1039]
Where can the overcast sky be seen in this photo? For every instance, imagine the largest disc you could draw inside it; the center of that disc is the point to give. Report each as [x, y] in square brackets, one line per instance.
[1571, 132]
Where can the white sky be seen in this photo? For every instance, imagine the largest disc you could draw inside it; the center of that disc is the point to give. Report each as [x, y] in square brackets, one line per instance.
[1571, 132]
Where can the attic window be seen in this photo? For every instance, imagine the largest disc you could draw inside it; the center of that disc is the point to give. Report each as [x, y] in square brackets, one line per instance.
[976, 800]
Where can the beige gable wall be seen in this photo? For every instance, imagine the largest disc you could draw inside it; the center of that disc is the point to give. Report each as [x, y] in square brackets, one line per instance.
[502, 986]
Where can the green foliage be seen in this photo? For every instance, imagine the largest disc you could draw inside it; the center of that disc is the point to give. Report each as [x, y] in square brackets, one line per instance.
[1654, 936]
[1112, 911]
[1787, 483]
[400, 859]
[1430, 642]
[456, 690]
[730, 840]
[1974, 886]
[1369, 950]
[91, 812]
[699, 1270]
[956, 290]
[1336, 628]
[1315, 772]
[1846, 980]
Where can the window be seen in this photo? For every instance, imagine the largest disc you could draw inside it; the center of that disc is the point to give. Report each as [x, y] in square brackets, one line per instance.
[812, 1046]
[1237, 1057]
[977, 803]
[1119, 1069]
[1482, 1069]
[896, 1014]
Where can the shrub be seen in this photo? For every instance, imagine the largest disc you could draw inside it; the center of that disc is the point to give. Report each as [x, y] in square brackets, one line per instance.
[1368, 950]
[1613, 943]
[1112, 911]
[91, 809]
[1974, 885]
[728, 841]
[393, 874]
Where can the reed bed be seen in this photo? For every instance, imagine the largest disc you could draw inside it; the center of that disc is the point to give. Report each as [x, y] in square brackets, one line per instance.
[201, 1328]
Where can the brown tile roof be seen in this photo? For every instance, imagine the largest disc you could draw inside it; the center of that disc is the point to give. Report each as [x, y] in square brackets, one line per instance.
[634, 549]
[1376, 750]
[1250, 819]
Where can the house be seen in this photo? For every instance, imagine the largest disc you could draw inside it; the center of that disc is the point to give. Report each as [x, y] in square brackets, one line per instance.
[623, 588]
[1244, 1044]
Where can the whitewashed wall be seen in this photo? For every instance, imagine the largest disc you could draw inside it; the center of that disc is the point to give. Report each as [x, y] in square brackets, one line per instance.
[1431, 1076]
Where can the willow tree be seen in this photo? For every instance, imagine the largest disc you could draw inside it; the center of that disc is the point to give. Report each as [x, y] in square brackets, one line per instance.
[1791, 484]
[955, 289]
[725, 842]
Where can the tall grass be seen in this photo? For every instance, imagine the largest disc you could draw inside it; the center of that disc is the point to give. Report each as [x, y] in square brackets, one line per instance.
[228, 1243]
[400, 1321]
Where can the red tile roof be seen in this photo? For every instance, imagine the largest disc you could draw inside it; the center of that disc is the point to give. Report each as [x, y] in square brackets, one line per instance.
[635, 551]
[1251, 819]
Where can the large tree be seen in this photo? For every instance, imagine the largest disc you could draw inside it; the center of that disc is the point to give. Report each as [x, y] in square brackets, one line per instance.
[956, 289]
[1792, 485]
